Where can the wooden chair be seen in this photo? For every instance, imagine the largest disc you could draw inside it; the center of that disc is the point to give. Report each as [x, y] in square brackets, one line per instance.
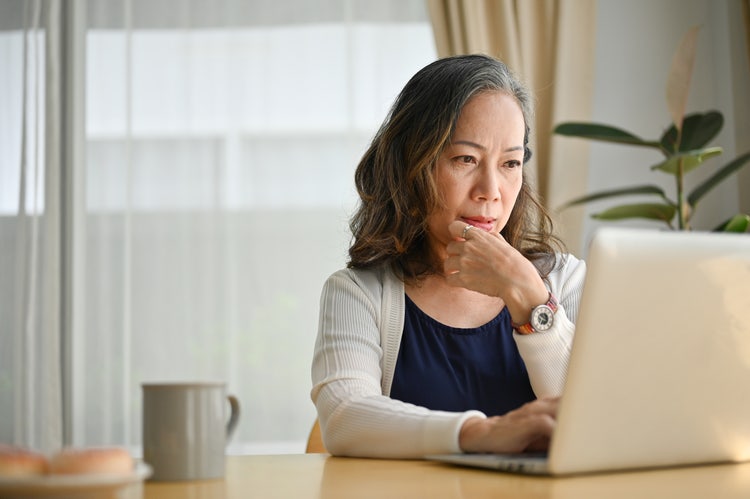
[315, 440]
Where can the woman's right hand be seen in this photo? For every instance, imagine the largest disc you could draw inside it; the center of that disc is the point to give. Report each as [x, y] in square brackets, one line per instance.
[527, 428]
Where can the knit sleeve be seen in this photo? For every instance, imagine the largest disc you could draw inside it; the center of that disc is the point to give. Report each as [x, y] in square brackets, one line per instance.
[546, 354]
[356, 419]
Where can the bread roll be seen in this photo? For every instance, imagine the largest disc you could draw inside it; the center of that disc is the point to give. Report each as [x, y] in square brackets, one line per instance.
[20, 462]
[111, 460]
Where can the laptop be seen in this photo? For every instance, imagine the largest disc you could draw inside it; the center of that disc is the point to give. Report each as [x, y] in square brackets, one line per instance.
[659, 373]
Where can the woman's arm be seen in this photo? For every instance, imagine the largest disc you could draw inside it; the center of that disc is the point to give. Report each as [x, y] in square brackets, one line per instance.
[546, 353]
[356, 418]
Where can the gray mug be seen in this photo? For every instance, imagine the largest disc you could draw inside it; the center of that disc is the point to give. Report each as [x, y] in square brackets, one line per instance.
[186, 429]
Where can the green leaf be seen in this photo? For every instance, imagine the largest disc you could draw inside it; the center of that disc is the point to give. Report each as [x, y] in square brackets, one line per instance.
[690, 160]
[697, 130]
[605, 133]
[738, 223]
[652, 211]
[641, 189]
[717, 177]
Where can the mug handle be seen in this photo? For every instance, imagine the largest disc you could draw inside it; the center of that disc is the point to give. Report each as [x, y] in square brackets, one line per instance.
[234, 417]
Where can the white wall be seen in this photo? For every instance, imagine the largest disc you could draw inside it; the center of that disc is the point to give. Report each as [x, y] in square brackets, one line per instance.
[636, 41]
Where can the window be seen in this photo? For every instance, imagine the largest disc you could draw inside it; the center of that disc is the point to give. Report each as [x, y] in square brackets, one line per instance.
[220, 144]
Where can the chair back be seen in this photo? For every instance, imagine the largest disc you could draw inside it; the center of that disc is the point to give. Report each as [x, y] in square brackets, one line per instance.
[315, 440]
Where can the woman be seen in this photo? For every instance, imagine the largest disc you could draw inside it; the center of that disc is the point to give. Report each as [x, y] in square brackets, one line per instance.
[450, 328]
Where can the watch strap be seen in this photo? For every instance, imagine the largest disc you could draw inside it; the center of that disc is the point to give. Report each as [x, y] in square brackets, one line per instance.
[528, 328]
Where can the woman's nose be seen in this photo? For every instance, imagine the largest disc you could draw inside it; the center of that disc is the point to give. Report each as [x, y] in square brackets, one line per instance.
[488, 184]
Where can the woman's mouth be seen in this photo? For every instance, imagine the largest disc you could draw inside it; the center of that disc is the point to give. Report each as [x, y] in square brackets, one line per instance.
[486, 224]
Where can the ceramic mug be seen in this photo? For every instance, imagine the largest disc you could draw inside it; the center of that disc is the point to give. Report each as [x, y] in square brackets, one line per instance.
[186, 427]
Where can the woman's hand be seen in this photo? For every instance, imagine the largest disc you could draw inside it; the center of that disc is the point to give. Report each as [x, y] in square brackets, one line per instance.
[486, 263]
[527, 428]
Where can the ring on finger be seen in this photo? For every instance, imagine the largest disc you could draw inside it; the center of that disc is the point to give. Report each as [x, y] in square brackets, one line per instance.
[466, 230]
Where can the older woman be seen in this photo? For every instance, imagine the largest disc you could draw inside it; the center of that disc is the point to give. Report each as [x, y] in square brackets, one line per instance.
[450, 328]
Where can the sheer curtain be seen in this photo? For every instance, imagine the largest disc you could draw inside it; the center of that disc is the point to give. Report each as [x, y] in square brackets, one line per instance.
[30, 224]
[216, 178]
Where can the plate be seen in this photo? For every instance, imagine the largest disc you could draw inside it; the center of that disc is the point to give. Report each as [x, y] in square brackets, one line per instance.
[84, 485]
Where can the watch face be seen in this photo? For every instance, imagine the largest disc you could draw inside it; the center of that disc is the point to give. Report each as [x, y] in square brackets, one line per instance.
[542, 318]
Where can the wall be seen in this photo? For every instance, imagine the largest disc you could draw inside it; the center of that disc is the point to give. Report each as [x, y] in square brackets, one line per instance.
[636, 41]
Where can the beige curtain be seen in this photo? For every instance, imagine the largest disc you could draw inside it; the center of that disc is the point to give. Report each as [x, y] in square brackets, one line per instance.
[741, 101]
[550, 45]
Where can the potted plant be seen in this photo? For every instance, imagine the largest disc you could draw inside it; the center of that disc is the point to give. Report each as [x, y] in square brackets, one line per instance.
[684, 146]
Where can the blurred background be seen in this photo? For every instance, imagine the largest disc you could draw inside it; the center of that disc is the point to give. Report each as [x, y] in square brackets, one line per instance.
[176, 178]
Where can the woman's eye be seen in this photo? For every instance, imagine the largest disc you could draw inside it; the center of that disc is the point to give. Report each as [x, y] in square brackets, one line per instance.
[513, 163]
[466, 159]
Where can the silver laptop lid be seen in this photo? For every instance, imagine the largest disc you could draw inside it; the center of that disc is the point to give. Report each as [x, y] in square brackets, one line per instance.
[660, 369]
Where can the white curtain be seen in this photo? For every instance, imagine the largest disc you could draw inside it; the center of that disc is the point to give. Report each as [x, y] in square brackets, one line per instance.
[215, 180]
[31, 276]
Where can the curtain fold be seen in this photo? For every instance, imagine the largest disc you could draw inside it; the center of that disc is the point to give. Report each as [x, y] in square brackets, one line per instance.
[741, 96]
[550, 45]
[30, 391]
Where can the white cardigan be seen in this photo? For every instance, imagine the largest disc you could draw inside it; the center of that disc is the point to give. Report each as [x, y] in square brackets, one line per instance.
[359, 335]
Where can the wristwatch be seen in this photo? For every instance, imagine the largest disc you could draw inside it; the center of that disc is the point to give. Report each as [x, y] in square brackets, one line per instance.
[542, 318]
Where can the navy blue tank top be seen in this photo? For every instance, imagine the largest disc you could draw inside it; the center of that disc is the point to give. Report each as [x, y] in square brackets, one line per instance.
[454, 369]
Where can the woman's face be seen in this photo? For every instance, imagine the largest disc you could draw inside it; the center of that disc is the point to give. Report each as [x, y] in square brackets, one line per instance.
[479, 174]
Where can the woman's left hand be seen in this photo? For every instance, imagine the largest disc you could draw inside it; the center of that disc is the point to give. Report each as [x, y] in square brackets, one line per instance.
[485, 262]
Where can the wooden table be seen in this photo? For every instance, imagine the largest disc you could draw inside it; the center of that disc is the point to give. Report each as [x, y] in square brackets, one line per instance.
[321, 476]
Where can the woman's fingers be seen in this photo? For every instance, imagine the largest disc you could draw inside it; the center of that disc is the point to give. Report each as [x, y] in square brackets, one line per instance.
[474, 258]
[461, 229]
[526, 428]
[485, 262]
